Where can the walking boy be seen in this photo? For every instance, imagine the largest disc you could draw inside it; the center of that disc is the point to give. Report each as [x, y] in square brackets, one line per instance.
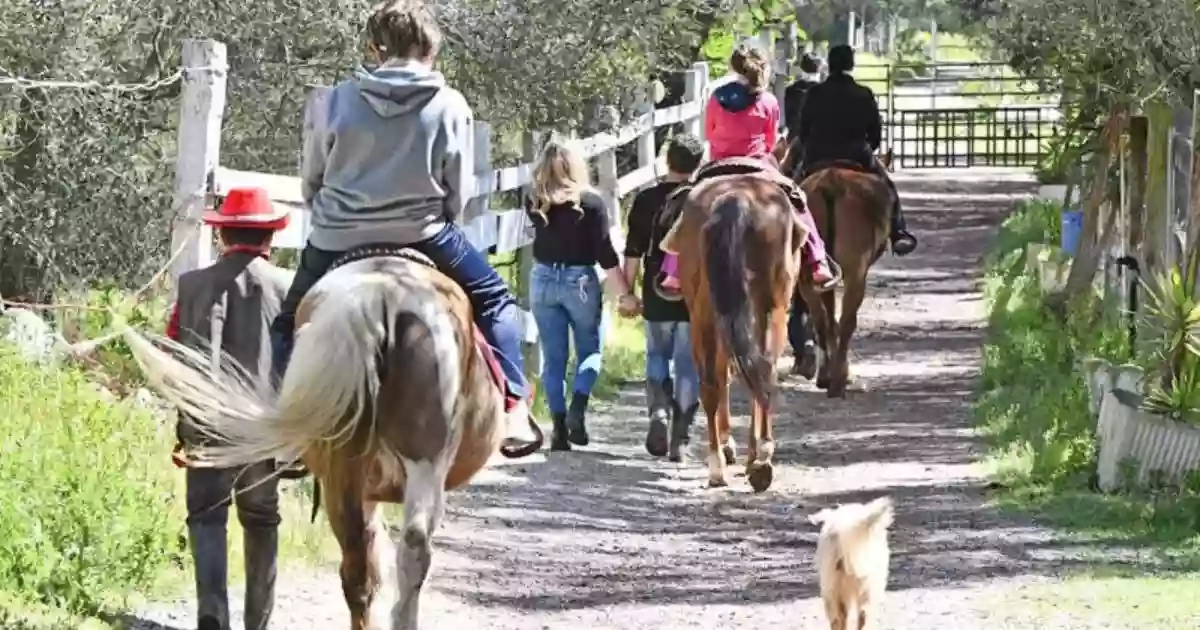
[672, 402]
[392, 165]
[224, 307]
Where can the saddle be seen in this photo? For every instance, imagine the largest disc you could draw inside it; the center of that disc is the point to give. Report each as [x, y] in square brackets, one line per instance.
[407, 253]
[733, 166]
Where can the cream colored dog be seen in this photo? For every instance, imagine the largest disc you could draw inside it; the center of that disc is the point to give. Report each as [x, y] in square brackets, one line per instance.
[852, 560]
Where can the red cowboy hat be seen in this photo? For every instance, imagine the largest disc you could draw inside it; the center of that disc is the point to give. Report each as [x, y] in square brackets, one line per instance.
[247, 208]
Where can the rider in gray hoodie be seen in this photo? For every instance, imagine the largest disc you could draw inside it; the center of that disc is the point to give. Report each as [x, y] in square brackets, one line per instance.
[391, 162]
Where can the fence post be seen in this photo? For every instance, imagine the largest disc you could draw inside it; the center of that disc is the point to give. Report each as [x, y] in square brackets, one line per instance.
[531, 144]
[694, 90]
[482, 141]
[198, 149]
[645, 143]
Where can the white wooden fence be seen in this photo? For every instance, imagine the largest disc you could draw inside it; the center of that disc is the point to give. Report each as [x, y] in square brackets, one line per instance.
[200, 177]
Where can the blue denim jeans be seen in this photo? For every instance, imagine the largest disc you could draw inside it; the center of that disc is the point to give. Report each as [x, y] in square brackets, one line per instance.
[567, 303]
[493, 305]
[669, 345]
[797, 325]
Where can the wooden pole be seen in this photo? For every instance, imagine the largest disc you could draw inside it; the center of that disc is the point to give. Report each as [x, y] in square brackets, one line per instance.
[198, 150]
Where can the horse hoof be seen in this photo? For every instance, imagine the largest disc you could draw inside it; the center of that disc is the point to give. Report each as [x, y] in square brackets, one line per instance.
[760, 475]
[807, 367]
[822, 382]
[717, 483]
[730, 454]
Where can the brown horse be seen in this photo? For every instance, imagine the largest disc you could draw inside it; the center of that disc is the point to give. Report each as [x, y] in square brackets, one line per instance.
[852, 210]
[388, 398]
[739, 244]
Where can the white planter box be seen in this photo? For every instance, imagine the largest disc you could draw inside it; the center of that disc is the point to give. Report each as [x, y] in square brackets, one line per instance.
[1153, 442]
[1102, 376]
[1053, 275]
[1053, 192]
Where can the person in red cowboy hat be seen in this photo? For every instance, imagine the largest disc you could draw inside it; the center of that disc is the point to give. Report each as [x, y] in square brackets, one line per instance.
[225, 306]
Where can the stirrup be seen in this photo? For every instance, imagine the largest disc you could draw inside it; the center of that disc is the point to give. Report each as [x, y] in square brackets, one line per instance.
[517, 450]
[834, 282]
[902, 236]
[663, 292]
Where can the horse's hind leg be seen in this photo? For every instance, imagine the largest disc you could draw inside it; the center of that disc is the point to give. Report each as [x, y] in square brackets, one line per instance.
[347, 512]
[424, 505]
[761, 470]
[852, 299]
[713, 366]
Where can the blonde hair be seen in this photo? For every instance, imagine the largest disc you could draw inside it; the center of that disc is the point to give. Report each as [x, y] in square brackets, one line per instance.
[561, 176]
[752, 65]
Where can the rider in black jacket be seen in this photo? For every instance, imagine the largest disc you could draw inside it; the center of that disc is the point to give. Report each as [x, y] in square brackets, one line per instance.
[840, 121]
[793, 96]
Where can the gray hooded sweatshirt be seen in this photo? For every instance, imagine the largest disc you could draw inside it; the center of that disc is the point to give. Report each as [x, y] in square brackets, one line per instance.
[393, 162]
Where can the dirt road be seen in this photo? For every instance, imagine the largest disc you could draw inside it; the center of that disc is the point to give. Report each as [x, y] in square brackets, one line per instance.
[607, 538]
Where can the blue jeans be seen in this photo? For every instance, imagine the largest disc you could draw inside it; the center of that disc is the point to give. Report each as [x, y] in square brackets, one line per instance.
[567, 302]
[493, 305]
[797, 325]
[667, 343]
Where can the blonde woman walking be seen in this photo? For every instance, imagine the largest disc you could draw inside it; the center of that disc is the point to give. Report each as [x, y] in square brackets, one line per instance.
[571, 237]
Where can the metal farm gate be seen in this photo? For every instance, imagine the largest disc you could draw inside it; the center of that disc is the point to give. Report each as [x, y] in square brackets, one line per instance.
[961, 114]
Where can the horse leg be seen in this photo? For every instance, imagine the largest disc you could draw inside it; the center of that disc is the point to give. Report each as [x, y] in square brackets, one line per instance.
[713, 367]
[761, 471]
[346, 509]
[852, 299]
[827, 348]
[424, 505]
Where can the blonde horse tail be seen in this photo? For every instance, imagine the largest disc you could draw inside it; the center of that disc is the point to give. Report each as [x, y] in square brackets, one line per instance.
[331, 382]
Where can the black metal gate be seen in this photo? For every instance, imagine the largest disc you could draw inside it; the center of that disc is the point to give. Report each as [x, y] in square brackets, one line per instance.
[962, 115]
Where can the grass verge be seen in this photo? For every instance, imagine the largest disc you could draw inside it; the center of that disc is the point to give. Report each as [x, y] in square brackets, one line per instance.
[1032, 408]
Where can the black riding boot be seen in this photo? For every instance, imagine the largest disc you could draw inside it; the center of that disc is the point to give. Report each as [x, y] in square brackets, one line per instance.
[261, 547]
[903, 242]
[211, 563]
[658, 402]
[681, 430]
[558, 433]
[577, 419]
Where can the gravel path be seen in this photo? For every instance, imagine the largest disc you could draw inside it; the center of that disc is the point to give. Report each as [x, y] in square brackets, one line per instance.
[607, 538]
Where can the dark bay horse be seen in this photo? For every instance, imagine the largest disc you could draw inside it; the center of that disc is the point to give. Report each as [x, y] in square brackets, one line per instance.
[388, 398]
[739, 244]
[852, 210]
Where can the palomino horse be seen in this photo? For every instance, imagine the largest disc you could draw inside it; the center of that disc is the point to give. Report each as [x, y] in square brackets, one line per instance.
[388, 398]
[740, 259]
[852, 210]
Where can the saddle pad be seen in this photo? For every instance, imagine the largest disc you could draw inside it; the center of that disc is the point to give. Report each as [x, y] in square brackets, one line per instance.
[493, 365]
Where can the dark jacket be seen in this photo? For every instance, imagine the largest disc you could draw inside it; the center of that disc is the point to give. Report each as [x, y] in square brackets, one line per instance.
[243, 292]
[793, 104]
[840, 120]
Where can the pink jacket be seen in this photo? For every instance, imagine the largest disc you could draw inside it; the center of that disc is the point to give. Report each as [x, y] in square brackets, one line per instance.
[749, 132]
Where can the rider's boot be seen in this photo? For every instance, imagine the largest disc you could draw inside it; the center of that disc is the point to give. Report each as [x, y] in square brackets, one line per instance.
[681, 428]
[903, 242]
[577, 419]
[208, 542]
[558, 433]
[658, 400]
[521, 435]
[261, 548]
[669, 286]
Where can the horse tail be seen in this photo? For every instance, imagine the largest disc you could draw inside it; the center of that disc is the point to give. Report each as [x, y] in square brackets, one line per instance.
[725, 264]
[830, 193]
[331, 384]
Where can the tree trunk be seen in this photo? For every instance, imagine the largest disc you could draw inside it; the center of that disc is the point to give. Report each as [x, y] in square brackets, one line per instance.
[1097, 231]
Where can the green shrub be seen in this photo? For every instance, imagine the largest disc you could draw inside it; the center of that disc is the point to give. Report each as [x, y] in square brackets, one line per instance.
[1033, 400]
[112, 364]
[86, 493]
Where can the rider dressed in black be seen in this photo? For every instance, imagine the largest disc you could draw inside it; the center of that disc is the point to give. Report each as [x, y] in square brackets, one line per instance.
[840, 121]
[793, 96]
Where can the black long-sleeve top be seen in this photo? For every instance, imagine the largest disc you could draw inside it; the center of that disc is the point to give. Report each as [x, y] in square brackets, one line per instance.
[575, 235]
[838, 113]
